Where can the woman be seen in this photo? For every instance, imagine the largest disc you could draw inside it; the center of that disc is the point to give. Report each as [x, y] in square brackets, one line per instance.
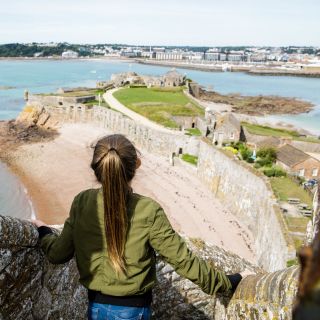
[114, 234]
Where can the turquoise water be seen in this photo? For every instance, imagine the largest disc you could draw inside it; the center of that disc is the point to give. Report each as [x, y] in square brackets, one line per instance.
[47, 76]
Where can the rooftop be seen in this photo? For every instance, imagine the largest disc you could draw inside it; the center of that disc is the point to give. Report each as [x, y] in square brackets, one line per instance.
[290, 155]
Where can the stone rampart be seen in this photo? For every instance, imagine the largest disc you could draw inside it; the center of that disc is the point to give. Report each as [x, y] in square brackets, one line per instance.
[252, 201]
[148, 139]
[32, 288]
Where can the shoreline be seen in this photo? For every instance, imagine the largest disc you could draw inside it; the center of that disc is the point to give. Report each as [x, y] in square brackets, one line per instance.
[98, 58]
[234, 68]
[190, 206]
[200, 67]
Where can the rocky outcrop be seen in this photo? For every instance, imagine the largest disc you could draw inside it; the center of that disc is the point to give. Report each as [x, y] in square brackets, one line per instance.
[32, 288]
[36, 116]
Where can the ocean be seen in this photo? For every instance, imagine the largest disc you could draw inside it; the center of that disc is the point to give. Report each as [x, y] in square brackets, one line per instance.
[14, 200]
[38, 76]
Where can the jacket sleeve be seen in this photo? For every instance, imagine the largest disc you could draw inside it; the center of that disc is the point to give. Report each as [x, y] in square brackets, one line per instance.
[175, 251]
[59, 248]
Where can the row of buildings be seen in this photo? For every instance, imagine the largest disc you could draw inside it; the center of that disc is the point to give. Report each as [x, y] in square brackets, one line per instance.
[235, 55]
[217, 54]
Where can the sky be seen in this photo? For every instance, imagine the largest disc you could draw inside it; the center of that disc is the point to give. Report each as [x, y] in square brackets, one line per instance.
[162, 22]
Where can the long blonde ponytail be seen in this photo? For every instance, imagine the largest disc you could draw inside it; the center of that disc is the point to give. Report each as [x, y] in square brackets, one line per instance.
[114, 163]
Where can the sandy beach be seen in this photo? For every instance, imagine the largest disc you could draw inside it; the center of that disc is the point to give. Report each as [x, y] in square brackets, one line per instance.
[55, 171]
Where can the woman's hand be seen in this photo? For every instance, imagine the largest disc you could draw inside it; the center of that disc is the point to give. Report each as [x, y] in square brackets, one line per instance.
[38, 223]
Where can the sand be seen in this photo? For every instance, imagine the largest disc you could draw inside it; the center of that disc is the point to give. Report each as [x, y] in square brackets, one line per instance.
[55, 171]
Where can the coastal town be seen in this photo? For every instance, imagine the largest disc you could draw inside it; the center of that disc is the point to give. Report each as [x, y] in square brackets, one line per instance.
[257, 60]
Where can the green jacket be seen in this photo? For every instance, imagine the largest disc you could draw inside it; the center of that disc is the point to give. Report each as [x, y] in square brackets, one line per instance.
[83, 235]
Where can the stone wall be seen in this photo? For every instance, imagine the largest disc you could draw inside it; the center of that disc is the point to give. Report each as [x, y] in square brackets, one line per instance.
[149, 139]
[32, 288]
[250, 198]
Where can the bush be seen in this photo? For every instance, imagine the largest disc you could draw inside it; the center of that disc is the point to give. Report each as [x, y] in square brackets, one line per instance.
[233, 150]
[264, 162]
[269, 172]
[278, 172]
[237, 145]
[274, 172]
[267, 153]
[245, 153]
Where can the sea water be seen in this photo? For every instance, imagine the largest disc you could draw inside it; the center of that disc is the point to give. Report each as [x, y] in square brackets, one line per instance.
[38, 76]
[14, 199]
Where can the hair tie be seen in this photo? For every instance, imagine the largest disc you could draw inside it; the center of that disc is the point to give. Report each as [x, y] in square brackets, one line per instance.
[113, 149]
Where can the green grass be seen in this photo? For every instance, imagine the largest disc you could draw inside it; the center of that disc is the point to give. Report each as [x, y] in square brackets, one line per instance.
[275, 132]
[159, 104]
[83, 93]
[193, 132]
[96, 103]
[292, 262]
[285, 188]
[297, 224]
[190, 158]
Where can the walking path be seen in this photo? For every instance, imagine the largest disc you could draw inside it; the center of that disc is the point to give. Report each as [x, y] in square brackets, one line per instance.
[115, 104]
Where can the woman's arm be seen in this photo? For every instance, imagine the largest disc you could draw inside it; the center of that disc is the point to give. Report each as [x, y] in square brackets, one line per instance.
[58, 248]
[175, 251]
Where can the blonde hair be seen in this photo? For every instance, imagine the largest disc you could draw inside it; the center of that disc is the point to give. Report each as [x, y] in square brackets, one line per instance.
[114, 164]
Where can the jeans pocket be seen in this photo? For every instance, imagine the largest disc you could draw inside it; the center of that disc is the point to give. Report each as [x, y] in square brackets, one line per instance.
[93, 313]
[127, 313]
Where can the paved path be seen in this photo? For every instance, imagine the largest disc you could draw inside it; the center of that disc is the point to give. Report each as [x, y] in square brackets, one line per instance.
[115, 104]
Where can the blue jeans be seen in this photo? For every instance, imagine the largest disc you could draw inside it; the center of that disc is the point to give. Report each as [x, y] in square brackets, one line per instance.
[99, 311]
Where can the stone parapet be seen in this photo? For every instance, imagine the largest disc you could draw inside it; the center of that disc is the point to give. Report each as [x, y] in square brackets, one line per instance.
[32, 288]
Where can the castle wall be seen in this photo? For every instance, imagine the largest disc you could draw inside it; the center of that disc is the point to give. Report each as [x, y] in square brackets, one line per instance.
[143, 137]
[252, 201]
[32, 288]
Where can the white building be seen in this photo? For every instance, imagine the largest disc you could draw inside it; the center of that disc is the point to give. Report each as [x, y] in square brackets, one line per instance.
[212, 56]
[168, 56]
[70, 54]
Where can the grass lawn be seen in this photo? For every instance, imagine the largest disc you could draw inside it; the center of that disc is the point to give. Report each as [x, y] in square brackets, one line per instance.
[285, 188]
[297, 225]
[193, 132]
[159, 104]
[82, 93]
[96, 103]
[275, 132]
[190, 158]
